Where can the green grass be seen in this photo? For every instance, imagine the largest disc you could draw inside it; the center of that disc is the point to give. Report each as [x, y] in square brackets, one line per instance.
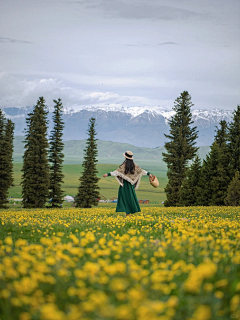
[110, 155]
[108, 186]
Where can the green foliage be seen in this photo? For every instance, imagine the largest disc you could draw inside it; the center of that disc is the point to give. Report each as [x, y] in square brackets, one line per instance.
[35, 177]
[221, 180]
[180, 149]
[6, 161]
[233, 191]
[189, 191]
[8, 139]
[88, 191]
[56, 156]
[215, 177]
[234, 142]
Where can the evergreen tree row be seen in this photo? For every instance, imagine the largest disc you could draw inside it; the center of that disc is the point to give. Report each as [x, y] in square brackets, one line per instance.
[42, 160]
[215, 181]
[42, 176]
[6, 161]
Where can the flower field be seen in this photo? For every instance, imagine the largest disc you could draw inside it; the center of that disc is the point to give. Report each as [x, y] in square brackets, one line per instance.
[160, 264]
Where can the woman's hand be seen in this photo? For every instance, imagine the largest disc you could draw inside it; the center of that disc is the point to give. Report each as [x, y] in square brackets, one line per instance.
[105, 175]
[150, 176]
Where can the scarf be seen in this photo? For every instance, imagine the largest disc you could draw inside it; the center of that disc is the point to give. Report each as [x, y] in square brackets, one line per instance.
[133, 178]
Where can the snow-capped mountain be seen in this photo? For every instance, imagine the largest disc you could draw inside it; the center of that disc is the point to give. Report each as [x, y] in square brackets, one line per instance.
[140, 126]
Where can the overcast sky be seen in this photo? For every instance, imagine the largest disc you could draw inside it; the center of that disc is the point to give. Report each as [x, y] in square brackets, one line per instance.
[120, 52]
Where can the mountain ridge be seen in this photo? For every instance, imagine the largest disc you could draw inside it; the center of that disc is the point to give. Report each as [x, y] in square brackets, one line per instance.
[139, 126]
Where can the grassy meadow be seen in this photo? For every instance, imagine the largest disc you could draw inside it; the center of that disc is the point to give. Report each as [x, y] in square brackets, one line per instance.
[110, 156]
[108, 186]
[94, 264]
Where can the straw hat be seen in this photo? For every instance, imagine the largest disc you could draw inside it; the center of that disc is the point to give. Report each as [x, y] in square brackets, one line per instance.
[128, 155]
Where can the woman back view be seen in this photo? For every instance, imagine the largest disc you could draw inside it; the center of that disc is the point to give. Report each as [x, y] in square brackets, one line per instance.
[128, 176]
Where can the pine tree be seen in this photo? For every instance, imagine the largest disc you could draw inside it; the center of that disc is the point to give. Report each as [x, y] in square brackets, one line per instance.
[35, 177]
[6, 161]
[234, 143]
[206, 189]
[221, 136]
[3, 194]
[56, 156]
[180, 149]
[233, 192]
[221, 180]
[215, 178]
[189, 191]
[9, 137]
[88, 190]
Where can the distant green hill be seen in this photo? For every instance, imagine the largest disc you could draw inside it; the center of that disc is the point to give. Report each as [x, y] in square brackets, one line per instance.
[108, 152]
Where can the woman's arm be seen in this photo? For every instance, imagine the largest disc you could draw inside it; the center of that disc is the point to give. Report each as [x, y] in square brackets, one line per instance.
[147, 173]
[107, 175]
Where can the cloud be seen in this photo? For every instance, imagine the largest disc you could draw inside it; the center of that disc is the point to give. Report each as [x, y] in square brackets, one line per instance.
[167, 43]
[15, 92]
[145, 10]
[139, 45]
[10, 40]
[20, 93]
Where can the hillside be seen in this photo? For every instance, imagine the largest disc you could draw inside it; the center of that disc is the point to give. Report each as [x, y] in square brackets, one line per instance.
[108, 152]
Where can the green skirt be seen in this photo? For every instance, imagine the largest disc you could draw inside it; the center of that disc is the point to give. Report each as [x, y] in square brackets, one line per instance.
[127, 199]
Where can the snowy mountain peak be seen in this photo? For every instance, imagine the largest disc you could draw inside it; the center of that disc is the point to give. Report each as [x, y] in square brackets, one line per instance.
[167, 113]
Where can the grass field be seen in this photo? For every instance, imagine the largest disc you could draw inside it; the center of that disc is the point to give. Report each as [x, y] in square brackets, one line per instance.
[110, 155]
[108, 186]
[94, 264]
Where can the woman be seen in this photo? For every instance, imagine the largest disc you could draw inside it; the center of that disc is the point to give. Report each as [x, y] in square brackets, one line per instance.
[128, 176]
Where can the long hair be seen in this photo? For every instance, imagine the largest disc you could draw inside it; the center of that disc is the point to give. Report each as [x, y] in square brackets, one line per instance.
[129, 166]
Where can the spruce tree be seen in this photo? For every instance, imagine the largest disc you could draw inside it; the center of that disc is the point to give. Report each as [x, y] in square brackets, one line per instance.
[181, 147]
[3, 193]
[35, 177]
[234, 143]
[8, 139]
[233, 192]
[6, 161]
[221, 180]
[221, 136]
[88, 189]
[56, 156]
[189, 191]
[209, 172]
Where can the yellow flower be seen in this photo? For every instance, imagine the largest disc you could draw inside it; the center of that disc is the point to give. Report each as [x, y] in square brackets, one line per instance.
[20, 243]
[8, 241]
[219, 294]
[221, 283]
[74, 238]
[235, 302]
[238, 286]
[102, 241]
[118, 284]
[25, 316]
[50, 261]
[5, 293]
[124, 312]
[202, 313]
[51, 312]
[172, 301]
